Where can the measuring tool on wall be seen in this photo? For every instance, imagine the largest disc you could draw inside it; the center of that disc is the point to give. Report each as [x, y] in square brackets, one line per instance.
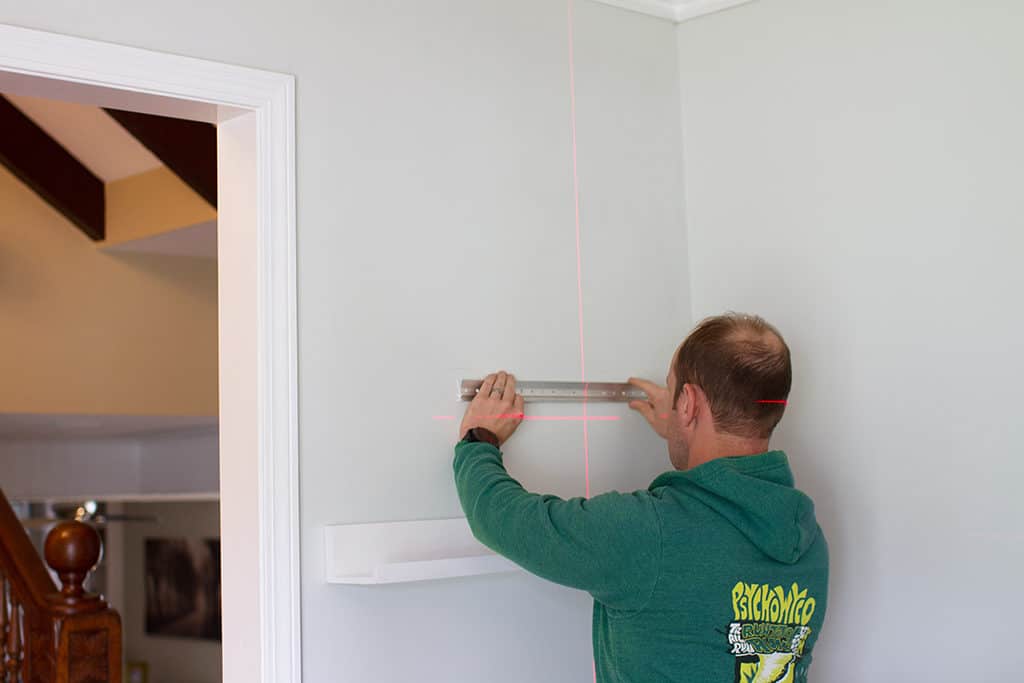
[536, 392]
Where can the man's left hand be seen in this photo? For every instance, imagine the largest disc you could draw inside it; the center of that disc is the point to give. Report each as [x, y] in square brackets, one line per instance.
[497, 407]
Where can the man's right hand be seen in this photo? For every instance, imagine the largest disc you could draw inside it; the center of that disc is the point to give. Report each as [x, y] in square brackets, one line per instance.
[656, 408]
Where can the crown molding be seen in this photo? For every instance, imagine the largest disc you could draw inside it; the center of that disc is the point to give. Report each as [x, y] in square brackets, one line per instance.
[656, 8]
[675, 10]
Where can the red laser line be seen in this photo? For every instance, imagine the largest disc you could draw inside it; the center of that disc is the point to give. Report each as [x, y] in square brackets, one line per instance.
[579, 265]
[584, 418]
[588, 418]
[783, 401]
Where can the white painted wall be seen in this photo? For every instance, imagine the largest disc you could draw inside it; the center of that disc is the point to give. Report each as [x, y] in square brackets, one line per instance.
[111, 468]
[436, 239]
[854, 174]
[453, 254]
[36, 469]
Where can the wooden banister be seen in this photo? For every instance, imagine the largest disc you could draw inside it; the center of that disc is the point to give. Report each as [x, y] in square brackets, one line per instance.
[49, 635]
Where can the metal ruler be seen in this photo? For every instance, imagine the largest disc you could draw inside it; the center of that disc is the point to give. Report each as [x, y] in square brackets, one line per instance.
[535, 392]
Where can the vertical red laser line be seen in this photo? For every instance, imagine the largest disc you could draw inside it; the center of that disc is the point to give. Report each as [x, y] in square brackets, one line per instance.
[579, 266]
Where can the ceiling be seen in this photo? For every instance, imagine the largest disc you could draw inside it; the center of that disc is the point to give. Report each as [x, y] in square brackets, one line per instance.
[91, 135]
[675, 10]
[88, 151]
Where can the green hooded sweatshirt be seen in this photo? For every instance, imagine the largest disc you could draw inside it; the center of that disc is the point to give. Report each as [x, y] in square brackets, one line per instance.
[714, 574]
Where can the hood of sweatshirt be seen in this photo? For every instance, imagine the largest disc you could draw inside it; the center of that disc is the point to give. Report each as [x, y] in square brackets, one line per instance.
[755, 494]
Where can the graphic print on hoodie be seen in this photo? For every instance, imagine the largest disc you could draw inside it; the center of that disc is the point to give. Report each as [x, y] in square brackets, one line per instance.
[714, 574]
[770, 631]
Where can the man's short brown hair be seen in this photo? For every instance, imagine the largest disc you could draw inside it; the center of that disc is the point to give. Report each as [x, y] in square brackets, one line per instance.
[741, 362]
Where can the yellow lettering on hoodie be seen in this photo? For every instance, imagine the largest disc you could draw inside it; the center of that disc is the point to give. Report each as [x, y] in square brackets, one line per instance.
[754, 612]
[808, 612]
[739, 602]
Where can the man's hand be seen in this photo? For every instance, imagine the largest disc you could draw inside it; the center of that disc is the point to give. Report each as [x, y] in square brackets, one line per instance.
[497, 407]
[656, 408]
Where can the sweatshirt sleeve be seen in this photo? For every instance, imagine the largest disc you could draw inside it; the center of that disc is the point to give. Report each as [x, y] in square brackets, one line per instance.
[608, 545]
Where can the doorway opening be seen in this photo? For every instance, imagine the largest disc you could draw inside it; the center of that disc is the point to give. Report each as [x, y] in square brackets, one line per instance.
[253, 112]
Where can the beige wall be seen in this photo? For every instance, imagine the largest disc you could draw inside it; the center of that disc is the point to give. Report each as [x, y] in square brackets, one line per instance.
[170, 660]
[82, 331]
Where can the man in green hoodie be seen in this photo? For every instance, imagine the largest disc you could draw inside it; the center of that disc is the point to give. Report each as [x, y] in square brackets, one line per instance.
[718, 571]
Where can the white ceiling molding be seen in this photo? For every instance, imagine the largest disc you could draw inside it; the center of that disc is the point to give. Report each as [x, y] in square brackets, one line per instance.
[676, 10]
[657, 8]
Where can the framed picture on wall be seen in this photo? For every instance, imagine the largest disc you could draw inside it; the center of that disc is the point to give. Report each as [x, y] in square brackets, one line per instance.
[183, 588]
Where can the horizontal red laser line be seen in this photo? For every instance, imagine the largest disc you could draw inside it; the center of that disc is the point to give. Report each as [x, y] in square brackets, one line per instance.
[602, 418]
[587, 418]
[605, 418]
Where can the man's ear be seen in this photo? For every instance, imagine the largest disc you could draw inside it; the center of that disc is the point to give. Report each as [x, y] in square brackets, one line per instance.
[688, 403]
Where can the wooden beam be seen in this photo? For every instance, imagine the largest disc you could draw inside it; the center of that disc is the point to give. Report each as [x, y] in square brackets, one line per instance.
[51, 171]
[189, 148]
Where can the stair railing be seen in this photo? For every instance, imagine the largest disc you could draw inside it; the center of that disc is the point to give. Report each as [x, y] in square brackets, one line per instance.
[49, 635]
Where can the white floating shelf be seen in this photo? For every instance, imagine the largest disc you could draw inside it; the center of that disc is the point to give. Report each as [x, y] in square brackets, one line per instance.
[399, 552]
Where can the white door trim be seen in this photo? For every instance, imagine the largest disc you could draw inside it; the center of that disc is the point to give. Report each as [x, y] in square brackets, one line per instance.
[259, 484]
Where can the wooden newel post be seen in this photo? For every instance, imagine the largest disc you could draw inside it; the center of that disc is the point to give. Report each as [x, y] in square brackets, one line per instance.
[72, 550]
[87, 632]
[49, 635]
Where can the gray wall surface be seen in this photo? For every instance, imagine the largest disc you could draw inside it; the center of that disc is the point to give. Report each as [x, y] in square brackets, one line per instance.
[854, 174]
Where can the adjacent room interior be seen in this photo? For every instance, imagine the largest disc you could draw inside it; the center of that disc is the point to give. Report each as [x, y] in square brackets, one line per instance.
[109, 409]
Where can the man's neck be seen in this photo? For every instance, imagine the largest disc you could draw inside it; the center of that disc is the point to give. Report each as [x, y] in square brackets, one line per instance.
[724, 446]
